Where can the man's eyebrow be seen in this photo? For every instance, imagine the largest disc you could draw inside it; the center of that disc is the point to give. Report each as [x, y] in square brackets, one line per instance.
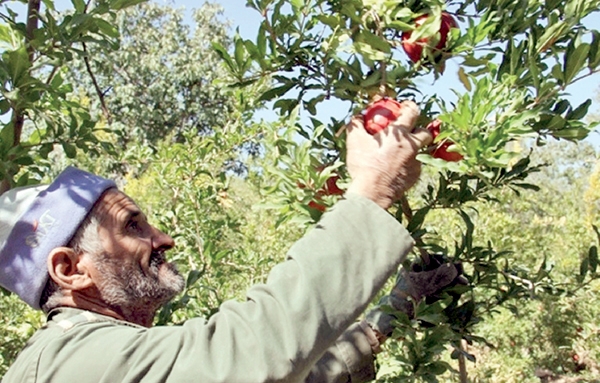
[132, 213]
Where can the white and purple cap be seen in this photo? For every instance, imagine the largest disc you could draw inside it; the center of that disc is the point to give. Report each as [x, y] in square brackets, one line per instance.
[34, 220]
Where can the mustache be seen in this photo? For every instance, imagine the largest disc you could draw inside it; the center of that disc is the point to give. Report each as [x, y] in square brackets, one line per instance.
[157, 258]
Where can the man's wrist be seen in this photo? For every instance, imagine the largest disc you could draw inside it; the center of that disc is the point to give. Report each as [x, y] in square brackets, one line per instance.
[367, 190]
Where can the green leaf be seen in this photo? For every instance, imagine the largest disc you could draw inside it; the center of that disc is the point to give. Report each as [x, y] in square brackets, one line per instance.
[261, 41]
[551, 35]
[4, 106]
[18, 65]
[374, 41]
[372, 80]
[575, 62]
[516, 58]
[225, 56]
[107, 28]
[580, 111]
[79, 5]
[400, 25]
[7, 136]
[594, 55]
[329, 20]
[556, 123]
[49, 4]
[557, 73]
[527, 186]
[437, 368]
[45, 150]
[593, 258]
[24, 161]
[297, 4]
[464, 79]
[417, 219]
[276, 92]
[239, 52]
[70, 149]
[561, 106]
[9, 39]
[533, 64]
[597, 232]
[429, 28]
[574, 134]
[584, 267]
[122, 4]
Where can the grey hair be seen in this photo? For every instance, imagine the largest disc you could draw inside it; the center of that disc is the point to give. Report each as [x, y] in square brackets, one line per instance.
[85, 240]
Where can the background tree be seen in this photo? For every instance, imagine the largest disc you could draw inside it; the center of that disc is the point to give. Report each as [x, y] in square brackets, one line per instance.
[165, 81]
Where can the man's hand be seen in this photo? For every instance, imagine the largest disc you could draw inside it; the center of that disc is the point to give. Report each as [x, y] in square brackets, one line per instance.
[383, 165]
[412, 286]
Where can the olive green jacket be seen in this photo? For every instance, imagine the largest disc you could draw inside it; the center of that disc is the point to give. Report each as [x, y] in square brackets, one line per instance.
[297, 327]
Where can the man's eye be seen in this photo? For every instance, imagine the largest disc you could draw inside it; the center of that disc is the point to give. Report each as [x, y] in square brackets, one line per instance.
[133, 225]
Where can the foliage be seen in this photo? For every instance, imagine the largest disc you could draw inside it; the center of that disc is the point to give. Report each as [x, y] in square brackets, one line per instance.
[41, 112]
[19, 322]
[162, 80]
[546, 235]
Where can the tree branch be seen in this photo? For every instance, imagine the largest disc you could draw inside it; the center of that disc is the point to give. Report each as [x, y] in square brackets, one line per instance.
[33, 16]
[33, 12]
[99, 92]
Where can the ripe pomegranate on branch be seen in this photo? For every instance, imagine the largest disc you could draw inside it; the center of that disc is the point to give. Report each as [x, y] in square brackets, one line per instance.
[380, 113]
[330, 188]
[414, 49]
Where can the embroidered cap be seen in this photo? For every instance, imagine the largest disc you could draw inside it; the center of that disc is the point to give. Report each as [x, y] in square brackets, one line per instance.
[36, 219]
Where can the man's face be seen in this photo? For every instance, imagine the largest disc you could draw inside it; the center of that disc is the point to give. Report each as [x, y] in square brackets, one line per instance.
[132, 270]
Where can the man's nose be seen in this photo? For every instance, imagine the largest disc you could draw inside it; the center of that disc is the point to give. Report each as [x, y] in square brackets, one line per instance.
[162, 241]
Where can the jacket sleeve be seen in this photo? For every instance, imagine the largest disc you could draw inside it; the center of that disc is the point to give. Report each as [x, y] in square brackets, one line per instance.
[349, 360]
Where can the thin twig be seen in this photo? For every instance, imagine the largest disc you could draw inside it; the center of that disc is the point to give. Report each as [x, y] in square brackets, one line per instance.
[530, 285]
[51, 75]
[462, 365]
[407, 211]
[269, 27]
[383, 68]
[99, 92]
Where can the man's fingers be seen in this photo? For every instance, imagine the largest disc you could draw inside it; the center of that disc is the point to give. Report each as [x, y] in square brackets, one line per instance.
[422, 136]
[408, 116]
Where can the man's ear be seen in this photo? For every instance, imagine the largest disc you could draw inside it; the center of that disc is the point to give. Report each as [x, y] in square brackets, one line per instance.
[68, 270]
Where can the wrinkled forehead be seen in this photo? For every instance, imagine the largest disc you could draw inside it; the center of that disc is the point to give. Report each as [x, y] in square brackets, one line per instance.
[114, 205]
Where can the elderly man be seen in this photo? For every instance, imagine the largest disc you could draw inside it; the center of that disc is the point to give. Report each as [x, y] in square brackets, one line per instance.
[84, 253]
